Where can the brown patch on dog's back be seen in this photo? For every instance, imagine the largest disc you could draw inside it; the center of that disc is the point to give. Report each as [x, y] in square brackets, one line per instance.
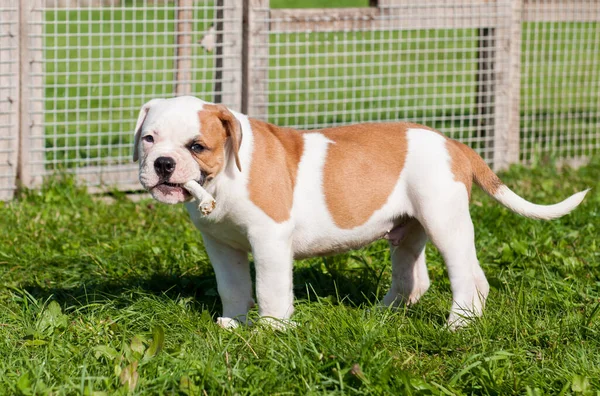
[362, 168]
[273, 169]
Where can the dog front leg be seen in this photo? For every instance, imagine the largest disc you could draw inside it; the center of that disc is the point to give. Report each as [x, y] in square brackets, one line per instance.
[234, 283]
[273, 260]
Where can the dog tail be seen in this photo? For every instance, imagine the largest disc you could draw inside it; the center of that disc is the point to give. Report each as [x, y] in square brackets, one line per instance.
[489, 182]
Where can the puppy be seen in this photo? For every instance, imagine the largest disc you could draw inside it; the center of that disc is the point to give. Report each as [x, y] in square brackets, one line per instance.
[283, 194]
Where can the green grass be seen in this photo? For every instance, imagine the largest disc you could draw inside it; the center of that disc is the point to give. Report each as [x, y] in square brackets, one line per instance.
[97, 298]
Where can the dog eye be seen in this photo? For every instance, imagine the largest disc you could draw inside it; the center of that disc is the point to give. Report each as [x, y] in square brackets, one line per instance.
[148, 138]
[197, 148]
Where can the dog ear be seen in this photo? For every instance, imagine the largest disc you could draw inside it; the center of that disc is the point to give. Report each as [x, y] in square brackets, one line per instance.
[233, 129]
[138, 127]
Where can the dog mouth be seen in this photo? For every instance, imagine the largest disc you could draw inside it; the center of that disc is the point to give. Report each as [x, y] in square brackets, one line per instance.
[167, 188]
[173, 191]
[168, 184]
[170, 193]
[170, 187]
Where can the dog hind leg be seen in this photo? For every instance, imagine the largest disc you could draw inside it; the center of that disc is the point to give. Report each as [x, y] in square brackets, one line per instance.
[450, 228]
[409, 271]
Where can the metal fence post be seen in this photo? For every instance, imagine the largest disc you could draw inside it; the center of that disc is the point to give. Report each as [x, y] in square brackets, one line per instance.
[508, 75]
[255, 58]
[31, 168]
[9, 97]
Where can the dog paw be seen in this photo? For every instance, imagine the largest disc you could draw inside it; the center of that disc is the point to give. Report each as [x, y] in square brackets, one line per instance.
[458, 321]
[227, 323]
[276, 324]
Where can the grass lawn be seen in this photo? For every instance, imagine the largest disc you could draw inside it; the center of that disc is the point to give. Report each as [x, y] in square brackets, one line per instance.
[104, 298]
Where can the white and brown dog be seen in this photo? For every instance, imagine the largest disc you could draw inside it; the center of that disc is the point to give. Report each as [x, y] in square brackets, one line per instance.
[284, 194]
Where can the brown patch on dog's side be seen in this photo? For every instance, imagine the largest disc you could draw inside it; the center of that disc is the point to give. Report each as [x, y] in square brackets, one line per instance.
[467, 165]
[362, 168]
[275, 157]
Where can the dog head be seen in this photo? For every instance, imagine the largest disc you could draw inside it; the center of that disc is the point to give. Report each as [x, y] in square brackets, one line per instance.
[182, 139]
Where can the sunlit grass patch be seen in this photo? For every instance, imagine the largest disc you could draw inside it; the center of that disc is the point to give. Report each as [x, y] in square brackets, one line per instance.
[120, 297]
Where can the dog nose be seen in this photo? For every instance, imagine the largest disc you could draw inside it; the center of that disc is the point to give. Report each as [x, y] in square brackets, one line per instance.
[164, 166]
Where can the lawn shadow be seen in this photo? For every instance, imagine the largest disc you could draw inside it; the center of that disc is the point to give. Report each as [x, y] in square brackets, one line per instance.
[326, 277]
[332, 278]
[201, 288]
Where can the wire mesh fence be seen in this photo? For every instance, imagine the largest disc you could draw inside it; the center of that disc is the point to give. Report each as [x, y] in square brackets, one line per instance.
[560, 89]
[516, 80]
[9, 100]
[103, 59]
[429, 62]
